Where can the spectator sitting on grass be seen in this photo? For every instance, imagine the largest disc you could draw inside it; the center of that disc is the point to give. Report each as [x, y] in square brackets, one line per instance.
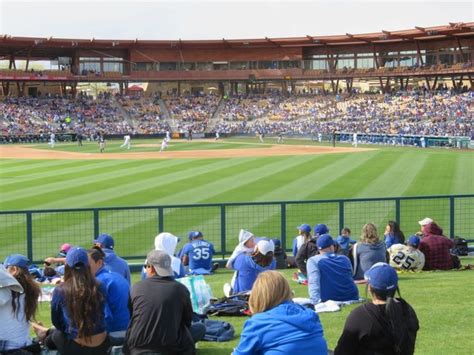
[112, 261]
[436, 248]
[393, 234]
[407, 257]
[246, 246]
[279, 326]
[198, 255]
[310, 248]
[330, 274]
[345, 241]
[387, 325]
[18, 304]
[368, 251]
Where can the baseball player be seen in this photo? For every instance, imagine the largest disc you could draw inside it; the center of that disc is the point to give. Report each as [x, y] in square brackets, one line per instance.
[320, 137]
[126, 142]
[407, 257]
[52, 140]
[280, 138]
[164, 144]
[354, 140]
[101, 143]
[217, 135]
[168, 136]
[260, 136]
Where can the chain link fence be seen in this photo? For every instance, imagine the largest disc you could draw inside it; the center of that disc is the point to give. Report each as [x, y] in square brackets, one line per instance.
[39, 234]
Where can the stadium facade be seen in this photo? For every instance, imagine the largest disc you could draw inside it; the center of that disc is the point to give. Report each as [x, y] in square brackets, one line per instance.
[389, 59]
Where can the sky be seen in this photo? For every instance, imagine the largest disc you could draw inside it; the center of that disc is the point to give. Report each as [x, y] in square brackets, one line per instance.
[217, 19]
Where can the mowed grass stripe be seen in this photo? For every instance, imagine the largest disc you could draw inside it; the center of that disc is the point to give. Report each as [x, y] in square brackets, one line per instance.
[31, 166]
[136, 182]
[46, 176]
[114, 173]
[81, 189]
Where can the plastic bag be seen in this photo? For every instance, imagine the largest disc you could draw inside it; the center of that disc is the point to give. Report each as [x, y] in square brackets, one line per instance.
[200, 291]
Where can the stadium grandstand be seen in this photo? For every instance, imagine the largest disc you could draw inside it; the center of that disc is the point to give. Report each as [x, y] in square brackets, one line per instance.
[415, 82]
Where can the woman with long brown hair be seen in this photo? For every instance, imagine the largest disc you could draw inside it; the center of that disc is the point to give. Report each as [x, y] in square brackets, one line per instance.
[368, 251]
[18, 308]
[77, 310]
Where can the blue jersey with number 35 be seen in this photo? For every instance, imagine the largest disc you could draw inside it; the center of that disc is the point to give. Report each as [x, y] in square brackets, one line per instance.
[200, 254]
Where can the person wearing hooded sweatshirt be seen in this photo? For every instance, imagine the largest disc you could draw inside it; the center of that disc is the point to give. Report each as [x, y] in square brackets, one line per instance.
[18, 304]
[246, 246]
[248, 267]
[168, 242]
[113, 262]
[368, 251]
[279, 326]
[435, 246]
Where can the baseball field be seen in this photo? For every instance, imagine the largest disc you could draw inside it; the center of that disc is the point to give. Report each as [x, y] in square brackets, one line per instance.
[242, 170]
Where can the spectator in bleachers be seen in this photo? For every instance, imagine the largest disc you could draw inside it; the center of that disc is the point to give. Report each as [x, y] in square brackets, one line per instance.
[387, 325]
[161, 312]
[278, 325]
[113, 262]
[368, 251]
[436, 248]
[115, 289]
[330, 274]
[18, 305]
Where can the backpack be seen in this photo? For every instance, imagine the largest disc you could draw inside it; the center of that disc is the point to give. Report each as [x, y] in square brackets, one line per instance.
[460, 247]
[235, 305]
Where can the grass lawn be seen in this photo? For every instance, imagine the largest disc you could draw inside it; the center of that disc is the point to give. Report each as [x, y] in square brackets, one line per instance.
[442, 300]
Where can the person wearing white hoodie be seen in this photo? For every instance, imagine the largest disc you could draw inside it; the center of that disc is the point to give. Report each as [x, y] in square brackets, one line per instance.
[168, 242]
[246, 246]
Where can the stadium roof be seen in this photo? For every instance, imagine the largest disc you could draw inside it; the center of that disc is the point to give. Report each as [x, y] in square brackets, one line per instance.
[42, 46]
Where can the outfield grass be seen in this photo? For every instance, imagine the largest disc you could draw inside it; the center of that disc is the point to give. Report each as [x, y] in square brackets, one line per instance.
[442, 300]
[383, 172]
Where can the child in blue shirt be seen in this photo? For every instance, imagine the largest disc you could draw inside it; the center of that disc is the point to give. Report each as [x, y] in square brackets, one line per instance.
[345, 241]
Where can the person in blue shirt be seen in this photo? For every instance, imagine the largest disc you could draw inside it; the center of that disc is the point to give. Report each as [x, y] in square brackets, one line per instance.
[198, 254]
[249, 266]
[279, 326]
[345, 241]
[393, 234]
[77, 310]
[330, 274]
[112, 261]
[116, 290]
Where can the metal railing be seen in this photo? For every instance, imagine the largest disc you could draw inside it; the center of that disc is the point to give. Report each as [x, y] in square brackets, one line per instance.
[39, 233]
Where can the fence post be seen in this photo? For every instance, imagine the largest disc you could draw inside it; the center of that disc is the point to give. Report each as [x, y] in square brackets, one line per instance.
[283, 226]
[223, 246]
[341, 214]
[451, 216]
[161, 226]
[397, 211]
[29, 235]
[96, 223]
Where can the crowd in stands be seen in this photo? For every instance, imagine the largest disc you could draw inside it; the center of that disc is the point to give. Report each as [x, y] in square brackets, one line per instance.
[94, 305]
[444, 113]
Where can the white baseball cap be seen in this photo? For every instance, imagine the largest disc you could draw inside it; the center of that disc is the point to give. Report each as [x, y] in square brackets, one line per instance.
[425, 221]
[265, 246]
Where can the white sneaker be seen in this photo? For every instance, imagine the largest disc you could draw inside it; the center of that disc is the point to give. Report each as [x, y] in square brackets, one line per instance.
[227, 289]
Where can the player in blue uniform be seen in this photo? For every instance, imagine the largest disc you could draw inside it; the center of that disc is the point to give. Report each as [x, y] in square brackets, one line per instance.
[198, 254]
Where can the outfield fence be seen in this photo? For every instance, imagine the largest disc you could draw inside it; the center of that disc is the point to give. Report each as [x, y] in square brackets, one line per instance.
[39, 233]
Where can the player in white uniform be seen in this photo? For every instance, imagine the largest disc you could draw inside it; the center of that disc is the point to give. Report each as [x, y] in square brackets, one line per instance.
[217, 135]
[423, 142]
[320, 137]
[126, 142]
[52, 140]
[407, 257]
[168, 136]
[164, 144]
[354, 140]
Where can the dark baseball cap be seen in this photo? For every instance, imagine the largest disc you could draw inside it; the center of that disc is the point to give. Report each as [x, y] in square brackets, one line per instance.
[161, 261]
[17, 260]
[77, 256]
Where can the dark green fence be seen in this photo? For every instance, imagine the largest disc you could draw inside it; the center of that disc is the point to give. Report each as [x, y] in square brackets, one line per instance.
[40, 233]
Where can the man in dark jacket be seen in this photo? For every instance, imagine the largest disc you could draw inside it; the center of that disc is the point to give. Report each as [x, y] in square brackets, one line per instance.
[310, 248]
[161, 312]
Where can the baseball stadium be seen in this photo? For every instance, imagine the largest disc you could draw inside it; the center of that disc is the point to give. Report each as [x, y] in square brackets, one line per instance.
[218, 142]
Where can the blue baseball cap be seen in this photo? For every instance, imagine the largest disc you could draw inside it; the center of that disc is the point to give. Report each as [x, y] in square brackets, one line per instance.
[76, 256]
[414, 240]
[17, 260]
[321, 229]
[194, 234]
[276, 243]
[305, 228]
[105, 240]
[382, 276]
[324, 241]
